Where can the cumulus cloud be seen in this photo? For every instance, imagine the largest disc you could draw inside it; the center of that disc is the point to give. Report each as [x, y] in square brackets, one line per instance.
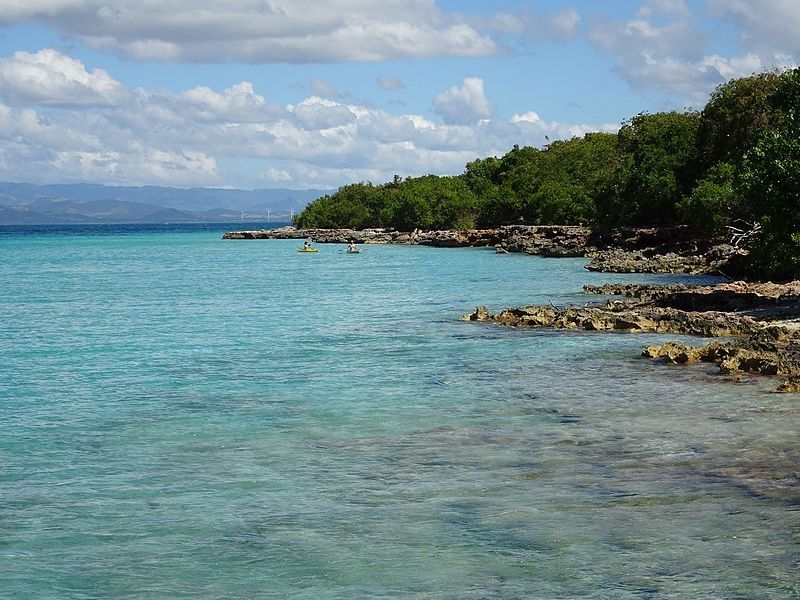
[50, 78]
[273, 174]
[662, 48]
[768, 27]
[531, 123]
[656, 8]
[238, 102]
[530, 25]
[202, 136]
[640, 37]
[320, 87]
[258, 30]
[466, 103]
[389, 83]
[316, 114]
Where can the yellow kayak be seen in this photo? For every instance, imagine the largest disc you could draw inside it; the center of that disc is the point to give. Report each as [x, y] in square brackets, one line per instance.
[307, 250]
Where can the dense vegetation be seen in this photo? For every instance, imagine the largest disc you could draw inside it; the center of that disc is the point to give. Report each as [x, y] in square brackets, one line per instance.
[735, 163]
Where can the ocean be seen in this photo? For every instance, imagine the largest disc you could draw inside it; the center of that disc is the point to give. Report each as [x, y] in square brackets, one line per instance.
[183, 416]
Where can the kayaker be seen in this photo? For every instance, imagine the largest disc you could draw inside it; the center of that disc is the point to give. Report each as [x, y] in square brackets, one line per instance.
[352, 246]
[306, 245]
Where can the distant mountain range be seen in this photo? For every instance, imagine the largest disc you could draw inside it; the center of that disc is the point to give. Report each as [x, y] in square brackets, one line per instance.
[31, 204]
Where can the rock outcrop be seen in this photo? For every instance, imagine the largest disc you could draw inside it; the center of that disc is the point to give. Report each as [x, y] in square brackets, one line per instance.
[763, 301]
[543, 240]
[282, 233]
[626, 250]
[553, 241]
[663, 250]
[718, 259]
[620, 317]
[764, 316]
[773, 350]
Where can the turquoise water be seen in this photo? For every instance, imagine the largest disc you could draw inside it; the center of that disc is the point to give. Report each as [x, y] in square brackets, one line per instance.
[187, 417]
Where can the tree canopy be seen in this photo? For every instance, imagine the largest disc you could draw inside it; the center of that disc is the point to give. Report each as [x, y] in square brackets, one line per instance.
[736, 160]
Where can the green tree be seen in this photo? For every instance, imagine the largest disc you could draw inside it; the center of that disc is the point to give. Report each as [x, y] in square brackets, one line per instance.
[351, 206]
[713, 203]
[737, 112]
[575, 174]
[430, 202]
[664, 168]
[771, 182]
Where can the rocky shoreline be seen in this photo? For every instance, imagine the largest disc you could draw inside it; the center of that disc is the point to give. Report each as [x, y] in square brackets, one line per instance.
[651, 250]
[763, 317]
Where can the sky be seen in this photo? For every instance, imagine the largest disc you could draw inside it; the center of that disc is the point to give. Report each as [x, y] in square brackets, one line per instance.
[283, 93]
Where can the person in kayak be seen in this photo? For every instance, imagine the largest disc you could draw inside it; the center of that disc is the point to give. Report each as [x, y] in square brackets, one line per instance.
[352, 246]
[306, 245]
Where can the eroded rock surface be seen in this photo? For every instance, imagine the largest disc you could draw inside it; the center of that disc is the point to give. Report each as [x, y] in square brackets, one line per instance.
[762, 301]
[765, 317]
[772, 350]
[547, 241]
[717, 259]
[626, 250]
[620, 317]
[554, 241]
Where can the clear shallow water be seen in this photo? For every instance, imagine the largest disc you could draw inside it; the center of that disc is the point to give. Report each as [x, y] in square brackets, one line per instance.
[182, 416]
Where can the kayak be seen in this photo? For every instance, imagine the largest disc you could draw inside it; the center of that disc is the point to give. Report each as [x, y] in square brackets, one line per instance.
[307, 250]
[354, 251]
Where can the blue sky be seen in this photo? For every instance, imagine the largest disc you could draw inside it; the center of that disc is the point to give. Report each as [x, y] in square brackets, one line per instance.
[283, 93]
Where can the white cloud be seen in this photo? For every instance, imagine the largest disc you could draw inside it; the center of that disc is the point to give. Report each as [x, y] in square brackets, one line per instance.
[466, 103]
[528, 117]
[203, 136]
[769, 27]
[656, 8]
[237, 103]
[258, 30]
[318, 113]
[528, 24]
[50, 78]
[320, 87]
[532, 123]
[693, 80]
[389, 83]
[663, 49]
[273, 174]
[639, 37]
[564, 24]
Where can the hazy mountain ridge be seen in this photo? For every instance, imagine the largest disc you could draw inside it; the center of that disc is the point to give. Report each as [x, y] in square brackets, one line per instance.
[26, 203]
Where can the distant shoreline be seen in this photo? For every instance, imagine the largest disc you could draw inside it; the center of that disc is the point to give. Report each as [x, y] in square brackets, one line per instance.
[626, 250]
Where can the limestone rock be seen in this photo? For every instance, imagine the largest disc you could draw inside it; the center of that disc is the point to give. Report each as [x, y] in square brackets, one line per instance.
[674, 353]
[481, 314]
[790, 385]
